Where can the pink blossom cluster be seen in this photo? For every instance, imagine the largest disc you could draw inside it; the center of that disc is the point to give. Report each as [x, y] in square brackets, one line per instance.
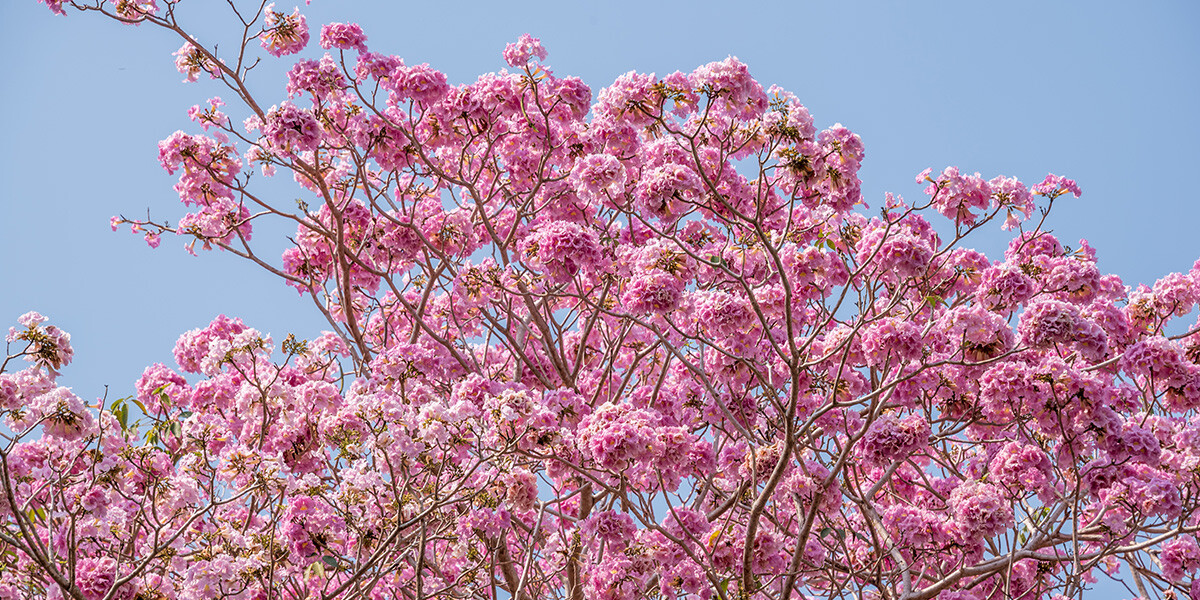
[1022, 467]
[1005, 287]
[343, 36]
[1050, 322]
[48, 347]
[283, 34]
[135, 10]
[730, 83]
[1057, 185]
[191, 61]
[961, 198]
[598, 176]
[653, 293]
[904, 253]
[1180, 558]
[291, 129]
[322, 79]
[980, 510]
[891, 439]
[564, 249]
[965, 198]
[899, 341]
[525, 49]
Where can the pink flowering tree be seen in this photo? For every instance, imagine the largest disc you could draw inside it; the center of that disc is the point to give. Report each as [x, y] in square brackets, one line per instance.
[643, 344]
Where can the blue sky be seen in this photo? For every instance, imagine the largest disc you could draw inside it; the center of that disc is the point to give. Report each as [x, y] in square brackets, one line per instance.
[1101, 92]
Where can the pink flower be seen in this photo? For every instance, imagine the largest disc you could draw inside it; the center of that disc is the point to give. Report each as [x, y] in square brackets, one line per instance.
[613, 528]
[64, 414]
[1004, 287]
[961, 198]
[1049, 322]
[575, 94]
[49, 346]
[209, 116]
[664, 192]
[522, 489]
[320, 78]
[526, 48]
[208, 167]
[135, 10]
[191, 61]
[1055, 186]
[618, 437]
[159, 388]
[890, 439]
[1180, 558]
[798, 119]
[1021, 467]
[1133, 443]
[10, 392]
[95, 576]
[838, 184]
[809, 268]
[94, 500]
[290, 128]
[1012, 195]
[980, 334]
[344, 36]
[1028, 245]
[1175, 294]
[31, 319]
[310, 527]
[598, 176]
[630, 99]
[721, 314]
[218, 221]
[562, 249]
[898, 252]
[1007, 387]
[653, 293]
[1153, 492]
[193, 346]
[914, 527]
[730, 83]
[420, 83]
[283, 34]
[899, 340]
[55, 6]
[980, 509]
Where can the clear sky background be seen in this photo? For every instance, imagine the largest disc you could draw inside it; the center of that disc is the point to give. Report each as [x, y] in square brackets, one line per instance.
[1103, 92]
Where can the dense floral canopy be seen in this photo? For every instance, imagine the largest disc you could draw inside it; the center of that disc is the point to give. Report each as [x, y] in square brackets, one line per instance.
[651, 343]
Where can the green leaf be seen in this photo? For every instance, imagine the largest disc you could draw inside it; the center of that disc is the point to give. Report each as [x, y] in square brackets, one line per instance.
[840, 534]
[122, 414]
[36, 514]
